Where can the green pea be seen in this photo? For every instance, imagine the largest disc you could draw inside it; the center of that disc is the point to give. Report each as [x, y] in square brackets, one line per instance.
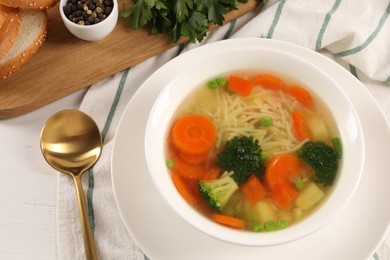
[263, 156]
[212, 84]
[270, 225]
[337, 147]
[266, 121]
[170, 163]
[221, 81]
[299, 184]
[282, 223]
[258, 228]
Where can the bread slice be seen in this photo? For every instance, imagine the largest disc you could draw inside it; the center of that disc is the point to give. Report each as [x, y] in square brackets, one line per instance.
[9, 28]
[32, 34]
[30, 4]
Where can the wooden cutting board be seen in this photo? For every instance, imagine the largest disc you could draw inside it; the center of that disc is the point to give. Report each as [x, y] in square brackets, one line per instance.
[66, 64]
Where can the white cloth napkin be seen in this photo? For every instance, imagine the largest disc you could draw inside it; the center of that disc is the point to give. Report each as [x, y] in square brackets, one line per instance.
[356, 33]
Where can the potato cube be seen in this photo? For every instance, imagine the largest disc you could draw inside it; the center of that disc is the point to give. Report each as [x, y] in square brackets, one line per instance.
[309, 197]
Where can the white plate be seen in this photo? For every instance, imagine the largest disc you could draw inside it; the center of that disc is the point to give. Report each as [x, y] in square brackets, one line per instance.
[161, 234]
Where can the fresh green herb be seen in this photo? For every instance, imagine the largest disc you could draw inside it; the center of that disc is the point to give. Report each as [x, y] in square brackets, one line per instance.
[181, 18]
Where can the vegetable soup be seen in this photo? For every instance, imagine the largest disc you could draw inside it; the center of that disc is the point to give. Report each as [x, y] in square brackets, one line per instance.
[253, 151]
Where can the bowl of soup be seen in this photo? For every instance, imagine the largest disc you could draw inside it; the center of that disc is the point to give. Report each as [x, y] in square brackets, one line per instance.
[254, 146]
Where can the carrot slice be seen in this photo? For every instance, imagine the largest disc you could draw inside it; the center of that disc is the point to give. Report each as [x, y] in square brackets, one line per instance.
[282, 168]
[228, 221]
[241, 86]
[283, 195]
[194, 134]
[253, 189]
[194, 158]
[212, 174]
[269, 82]
[302, 132]
[183, 189]
[301, 95]
[188, 171]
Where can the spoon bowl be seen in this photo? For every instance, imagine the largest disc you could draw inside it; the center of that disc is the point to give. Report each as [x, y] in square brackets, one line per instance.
[71, 143]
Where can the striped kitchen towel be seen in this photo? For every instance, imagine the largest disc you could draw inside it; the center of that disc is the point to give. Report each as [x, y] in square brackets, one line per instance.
[355, 33]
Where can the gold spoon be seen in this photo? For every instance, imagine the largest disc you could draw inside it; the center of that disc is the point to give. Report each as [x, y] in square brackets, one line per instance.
[71, 143]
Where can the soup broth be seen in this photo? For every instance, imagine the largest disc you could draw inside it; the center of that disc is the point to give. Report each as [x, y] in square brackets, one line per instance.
[253, 151]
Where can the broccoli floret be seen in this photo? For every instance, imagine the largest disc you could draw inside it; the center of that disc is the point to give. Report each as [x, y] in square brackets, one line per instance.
[242, 155]
[217, 192]
[322, 158]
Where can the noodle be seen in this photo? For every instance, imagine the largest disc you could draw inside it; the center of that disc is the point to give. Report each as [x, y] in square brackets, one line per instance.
[235, 116]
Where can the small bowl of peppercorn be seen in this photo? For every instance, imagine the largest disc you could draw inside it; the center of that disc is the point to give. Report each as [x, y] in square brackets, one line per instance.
[89, 20]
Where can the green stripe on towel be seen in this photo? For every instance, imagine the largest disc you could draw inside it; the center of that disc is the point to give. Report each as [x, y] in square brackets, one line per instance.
[91, 186]
[370, 38]
[114, 104]
[228, 33]
[325, 23]
[91, 177]
[276, 19]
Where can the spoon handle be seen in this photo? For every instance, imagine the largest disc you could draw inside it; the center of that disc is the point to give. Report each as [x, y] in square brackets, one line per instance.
[89, 244]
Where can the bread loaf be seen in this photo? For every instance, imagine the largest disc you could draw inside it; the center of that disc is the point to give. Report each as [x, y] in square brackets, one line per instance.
[9, 28]
[31, 35]
[30, 4]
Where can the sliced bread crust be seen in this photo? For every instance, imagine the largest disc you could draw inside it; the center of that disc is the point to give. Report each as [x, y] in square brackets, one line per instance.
[32, 34]
[30, 4]
[9, 28]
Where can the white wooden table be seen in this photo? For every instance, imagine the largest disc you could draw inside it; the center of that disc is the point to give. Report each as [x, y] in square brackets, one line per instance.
[28, 186]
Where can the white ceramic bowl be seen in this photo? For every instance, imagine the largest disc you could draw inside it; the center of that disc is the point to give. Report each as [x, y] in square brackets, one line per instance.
[95, 32]
[190, 75]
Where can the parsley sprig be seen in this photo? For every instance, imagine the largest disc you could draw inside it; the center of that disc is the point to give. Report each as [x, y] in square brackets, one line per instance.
[179, 18]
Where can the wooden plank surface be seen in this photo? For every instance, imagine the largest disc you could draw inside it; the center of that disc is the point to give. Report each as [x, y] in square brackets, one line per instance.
[66, 64]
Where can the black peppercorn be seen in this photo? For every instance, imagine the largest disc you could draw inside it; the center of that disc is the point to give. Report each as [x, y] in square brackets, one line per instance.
[88, 12]
[78, 13]
[67, 10]
[107, 10]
